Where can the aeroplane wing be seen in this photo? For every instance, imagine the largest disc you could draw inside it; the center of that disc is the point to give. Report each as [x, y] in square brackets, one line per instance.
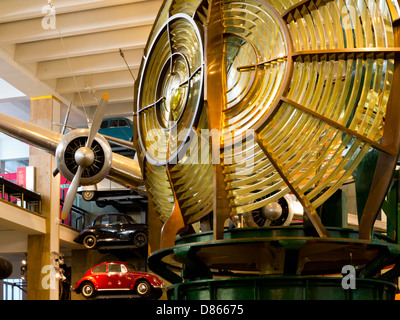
[123, 170]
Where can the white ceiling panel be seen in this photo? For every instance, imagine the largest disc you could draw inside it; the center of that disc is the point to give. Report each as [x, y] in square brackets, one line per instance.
[80, 54]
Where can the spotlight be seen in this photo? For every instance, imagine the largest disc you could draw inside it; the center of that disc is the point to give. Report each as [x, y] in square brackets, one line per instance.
[24, 272]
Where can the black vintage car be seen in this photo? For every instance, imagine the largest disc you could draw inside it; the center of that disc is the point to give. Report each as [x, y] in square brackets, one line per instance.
[113, 229]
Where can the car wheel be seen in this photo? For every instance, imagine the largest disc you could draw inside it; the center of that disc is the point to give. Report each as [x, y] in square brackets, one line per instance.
[143, 288]
[101, 204]
[90, 241]
[88, 195]
[88, 290]
[140, 239]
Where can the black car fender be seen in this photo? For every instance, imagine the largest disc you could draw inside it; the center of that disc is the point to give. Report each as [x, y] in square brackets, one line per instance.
[84, 233]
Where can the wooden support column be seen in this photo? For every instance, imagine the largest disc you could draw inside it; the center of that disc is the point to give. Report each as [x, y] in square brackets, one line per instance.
[42, 284]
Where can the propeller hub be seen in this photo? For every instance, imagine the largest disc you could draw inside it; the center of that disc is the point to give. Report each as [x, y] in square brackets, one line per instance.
[84, 157]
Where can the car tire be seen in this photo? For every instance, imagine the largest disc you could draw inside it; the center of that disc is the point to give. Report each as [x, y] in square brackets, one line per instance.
[143, 288]
[88, 290]
[140, 239]
[90, 241]
[101, 204]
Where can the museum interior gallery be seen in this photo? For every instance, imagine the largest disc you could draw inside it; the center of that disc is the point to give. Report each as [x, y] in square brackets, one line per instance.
[199, 150]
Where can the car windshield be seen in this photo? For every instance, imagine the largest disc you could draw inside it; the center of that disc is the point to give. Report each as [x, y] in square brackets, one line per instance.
[101, 220]
[113, 219]
[100, 269]
[131, 267]
[130, 220]
[115, 123]
[114, 267]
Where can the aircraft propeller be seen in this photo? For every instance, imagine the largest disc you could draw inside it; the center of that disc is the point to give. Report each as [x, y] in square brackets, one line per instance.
[84, 156]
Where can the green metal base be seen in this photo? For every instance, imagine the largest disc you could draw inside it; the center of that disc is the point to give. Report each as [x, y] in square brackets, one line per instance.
[281, 288]
[277, 263]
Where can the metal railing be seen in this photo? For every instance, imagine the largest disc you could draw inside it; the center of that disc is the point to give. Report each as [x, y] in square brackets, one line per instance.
[20, 196]
[76, 218]
[13, 289]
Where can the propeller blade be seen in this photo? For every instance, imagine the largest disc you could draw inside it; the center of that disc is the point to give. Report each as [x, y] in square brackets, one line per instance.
[94, 128]
[98, 119]
[55, 172]
[71, 194]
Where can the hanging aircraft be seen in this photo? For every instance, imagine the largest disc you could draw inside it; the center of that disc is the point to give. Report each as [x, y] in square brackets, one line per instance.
[83, 156]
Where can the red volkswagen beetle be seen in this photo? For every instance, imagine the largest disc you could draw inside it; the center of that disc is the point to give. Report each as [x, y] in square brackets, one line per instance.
[118, 276]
